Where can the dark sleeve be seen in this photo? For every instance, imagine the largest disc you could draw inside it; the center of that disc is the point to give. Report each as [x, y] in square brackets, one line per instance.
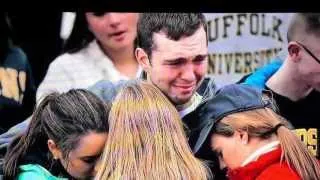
[29, 99]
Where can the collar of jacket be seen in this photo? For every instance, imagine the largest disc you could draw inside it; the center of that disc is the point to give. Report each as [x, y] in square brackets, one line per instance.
[252, 170]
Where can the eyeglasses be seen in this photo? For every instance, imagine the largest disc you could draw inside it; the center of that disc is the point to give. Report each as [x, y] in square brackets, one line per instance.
[309, 52]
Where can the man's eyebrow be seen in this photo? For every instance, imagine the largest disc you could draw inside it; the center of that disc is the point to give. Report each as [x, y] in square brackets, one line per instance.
[203, 55]
[183, 58]
[175, 59]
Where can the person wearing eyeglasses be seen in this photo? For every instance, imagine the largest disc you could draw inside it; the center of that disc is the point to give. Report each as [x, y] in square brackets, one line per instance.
[295, 82]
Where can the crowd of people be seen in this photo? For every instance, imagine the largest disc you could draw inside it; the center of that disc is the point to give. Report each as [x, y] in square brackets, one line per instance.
[130, 98]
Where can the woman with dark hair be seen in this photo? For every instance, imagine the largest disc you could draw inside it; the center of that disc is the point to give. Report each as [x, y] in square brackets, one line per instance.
[66, 135]
[100, 47]
[17, 90]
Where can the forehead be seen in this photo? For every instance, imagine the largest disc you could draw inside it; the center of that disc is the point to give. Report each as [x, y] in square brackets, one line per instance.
[215, 140]
[90, 145]
[220, 141]
[190, 46]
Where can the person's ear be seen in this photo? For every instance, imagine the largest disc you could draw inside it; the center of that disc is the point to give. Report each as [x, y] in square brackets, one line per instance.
[143, 59]
[243, 137]
[294, 51]
[55, 151]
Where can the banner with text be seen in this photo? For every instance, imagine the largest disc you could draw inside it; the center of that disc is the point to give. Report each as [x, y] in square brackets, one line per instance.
[239, 43]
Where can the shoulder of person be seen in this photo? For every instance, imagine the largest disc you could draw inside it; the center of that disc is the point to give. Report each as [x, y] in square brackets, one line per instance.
[63, 62]
[63, 58]
[18, 51]
[17, 55]
[35, 172]
[106, 89]
[208, 83]
[259, 77]
[278, 171]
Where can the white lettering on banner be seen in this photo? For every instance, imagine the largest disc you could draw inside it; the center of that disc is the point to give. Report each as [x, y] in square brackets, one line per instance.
[256, 22]
[239, 43]
[239, 62]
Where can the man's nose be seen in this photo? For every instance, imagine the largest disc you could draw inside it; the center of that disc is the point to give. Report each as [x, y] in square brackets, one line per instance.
[188, 73]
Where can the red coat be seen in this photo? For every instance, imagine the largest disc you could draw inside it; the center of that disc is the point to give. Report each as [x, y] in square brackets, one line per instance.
[266, 167]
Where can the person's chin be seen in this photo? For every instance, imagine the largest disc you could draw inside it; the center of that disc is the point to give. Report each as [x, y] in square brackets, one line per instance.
[182, 99]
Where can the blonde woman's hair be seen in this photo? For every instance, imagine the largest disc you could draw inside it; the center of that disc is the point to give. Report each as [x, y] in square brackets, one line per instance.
[146, 139]
[264, 123]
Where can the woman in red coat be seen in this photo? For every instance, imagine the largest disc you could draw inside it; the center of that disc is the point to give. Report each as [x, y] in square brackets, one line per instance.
[251, 140]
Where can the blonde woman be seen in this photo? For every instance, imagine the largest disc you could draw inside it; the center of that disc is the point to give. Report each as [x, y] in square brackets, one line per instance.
[146, 139]
[251, 140]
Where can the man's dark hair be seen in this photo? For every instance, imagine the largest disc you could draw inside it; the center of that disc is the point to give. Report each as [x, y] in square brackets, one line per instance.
[310, 22]
[174, 25]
